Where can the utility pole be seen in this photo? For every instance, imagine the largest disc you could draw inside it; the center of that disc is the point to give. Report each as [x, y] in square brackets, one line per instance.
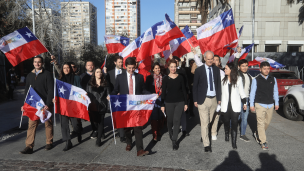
[253, 13]
[33, 16]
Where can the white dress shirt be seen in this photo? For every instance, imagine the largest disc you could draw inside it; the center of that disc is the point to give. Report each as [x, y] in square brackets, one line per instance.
[133, 78]
[209, 92]
[117, 72]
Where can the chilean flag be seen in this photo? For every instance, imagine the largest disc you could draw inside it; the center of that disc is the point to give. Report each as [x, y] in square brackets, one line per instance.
[273, 63]
[232, 46]
[33, 107]
[147, 44]
[21, 45]
[71, 101]
[190, 36]
[217, 33]
[116, 44]
[166, 32]
[131, 50]
[243, 53]
[182, 45]
[131, 110]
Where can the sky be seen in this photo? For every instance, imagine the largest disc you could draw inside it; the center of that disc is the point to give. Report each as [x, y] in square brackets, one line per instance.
[152, 11]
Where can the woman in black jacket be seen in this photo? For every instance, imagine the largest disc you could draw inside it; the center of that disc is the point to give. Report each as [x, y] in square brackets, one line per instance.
[154, 85]
[98, 90]
[67, 75]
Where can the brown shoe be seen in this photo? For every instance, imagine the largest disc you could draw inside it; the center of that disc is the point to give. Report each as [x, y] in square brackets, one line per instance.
[142, 153]
[128, 148]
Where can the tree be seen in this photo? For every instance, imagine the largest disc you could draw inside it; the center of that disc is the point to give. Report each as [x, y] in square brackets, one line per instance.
[301, 10]
[92, 53]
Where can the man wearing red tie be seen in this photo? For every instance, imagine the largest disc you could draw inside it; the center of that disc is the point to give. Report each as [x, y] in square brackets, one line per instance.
[133, 84]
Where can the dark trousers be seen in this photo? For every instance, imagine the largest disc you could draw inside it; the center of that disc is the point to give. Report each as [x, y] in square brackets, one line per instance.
[93, 126]
[138, 137]
[97, 119]
[11, 92]
[121, 132]
[233, 116]
[65, 128]
[174, 113]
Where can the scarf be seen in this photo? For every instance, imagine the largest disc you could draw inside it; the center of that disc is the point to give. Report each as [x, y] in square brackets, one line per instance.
[158, 79]
[69, 78]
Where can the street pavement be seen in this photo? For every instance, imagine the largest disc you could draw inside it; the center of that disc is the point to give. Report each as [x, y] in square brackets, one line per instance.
[285, 140]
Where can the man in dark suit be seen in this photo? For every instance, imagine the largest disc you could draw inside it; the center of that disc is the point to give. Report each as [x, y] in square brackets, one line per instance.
[133, 84]
[207, 94]
[111, 77]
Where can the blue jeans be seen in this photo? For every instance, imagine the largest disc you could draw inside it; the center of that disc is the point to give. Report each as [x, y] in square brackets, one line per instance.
[244, 117]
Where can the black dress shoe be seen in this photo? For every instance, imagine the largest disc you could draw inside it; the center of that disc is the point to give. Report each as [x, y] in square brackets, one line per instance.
[93, 135]
[185, 133]
[68, 145]
[48, 147]
[123, 139]
[174, 145]
[208, 149]
[27, 150]
[98, 142]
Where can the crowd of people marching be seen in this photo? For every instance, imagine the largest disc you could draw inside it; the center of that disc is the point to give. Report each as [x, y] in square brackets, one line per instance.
[205, 89]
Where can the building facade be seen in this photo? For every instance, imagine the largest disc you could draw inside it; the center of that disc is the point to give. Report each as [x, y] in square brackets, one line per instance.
[122, 17]
[79, 26]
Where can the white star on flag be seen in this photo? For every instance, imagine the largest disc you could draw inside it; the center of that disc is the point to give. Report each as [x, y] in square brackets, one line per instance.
[189, 31]
[28, 34]
[117, 103]
[141, 39]
[62, 90]
[124, 41]
[229, 17]
[31, 98]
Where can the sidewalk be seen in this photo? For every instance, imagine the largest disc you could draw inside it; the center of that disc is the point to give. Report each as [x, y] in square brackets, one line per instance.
[10, 112]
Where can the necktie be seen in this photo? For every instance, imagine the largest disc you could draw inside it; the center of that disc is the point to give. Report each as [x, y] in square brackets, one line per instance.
[131, 85]
[210, 79]
[118, 72]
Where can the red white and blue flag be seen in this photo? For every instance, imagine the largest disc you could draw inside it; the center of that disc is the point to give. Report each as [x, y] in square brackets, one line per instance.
[34, 107]
[182, 45]
[217, 33]
[116, 44]
[243, 53]
[131, 50]
[273, 64]
[71, 101]
[21, 45]
[190, 36]
[131, 110]
[147, 44]
[232, 46]
[166, 32]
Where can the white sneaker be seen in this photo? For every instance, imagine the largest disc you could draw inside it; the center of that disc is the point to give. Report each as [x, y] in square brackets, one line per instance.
[214, 137]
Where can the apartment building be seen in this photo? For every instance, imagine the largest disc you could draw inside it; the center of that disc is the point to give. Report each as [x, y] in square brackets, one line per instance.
[79, 26]
[122, 17]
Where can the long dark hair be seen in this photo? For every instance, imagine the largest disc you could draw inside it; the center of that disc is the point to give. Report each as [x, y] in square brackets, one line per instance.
[93, 83]
[61, 73]
[233, 75]
[154, 65]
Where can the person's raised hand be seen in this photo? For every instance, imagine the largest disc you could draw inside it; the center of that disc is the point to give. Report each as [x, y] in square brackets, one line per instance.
[193, 50]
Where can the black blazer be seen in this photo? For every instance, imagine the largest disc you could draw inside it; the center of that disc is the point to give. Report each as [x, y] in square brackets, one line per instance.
[200, 84]
[111, 77]
[121, 84]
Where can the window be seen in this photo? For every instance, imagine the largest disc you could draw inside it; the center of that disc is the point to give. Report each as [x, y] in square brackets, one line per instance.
[293, 48]
[271, 48]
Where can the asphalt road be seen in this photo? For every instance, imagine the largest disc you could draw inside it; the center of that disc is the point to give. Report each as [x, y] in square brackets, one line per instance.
[285, 140]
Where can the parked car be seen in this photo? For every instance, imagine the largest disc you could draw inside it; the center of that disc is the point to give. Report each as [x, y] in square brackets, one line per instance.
[294, 103]
[285, 79]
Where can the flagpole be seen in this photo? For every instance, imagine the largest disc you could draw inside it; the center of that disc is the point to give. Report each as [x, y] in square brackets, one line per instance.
[54, 93]
[112, 122]
[23, 104]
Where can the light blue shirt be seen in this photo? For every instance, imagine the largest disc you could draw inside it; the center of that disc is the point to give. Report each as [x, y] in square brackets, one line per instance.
[275, 94]
[210, 93]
